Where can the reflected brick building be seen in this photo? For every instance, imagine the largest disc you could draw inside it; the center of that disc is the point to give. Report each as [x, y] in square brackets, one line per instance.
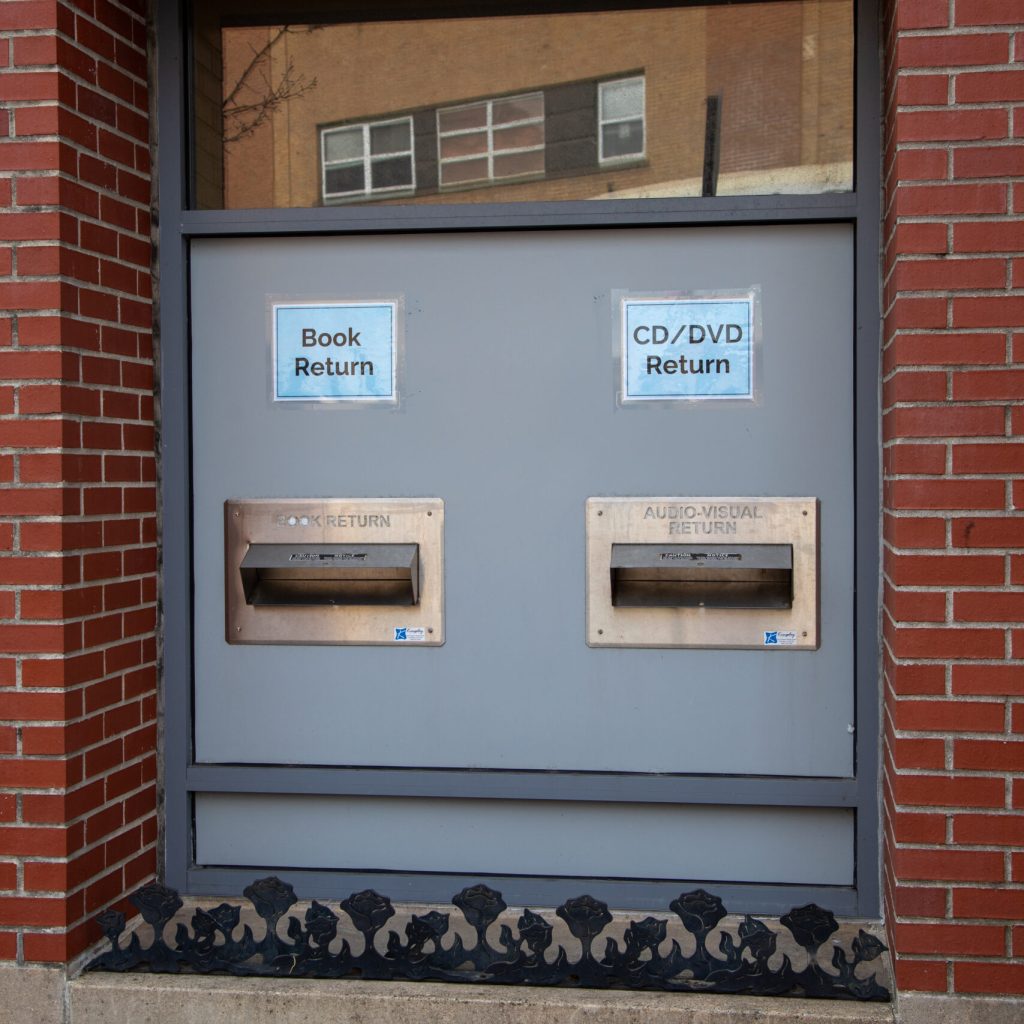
[610, 105]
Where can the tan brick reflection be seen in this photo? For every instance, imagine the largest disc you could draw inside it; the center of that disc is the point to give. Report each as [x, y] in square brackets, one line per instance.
[784, 71]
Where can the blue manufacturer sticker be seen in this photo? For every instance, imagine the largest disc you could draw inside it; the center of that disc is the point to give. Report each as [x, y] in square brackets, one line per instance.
[410, 634]
[340, 351]
[779, 638]
[688, 348]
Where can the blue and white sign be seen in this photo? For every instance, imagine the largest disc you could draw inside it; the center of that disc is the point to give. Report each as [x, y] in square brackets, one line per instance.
[688, 348]
[338, 351]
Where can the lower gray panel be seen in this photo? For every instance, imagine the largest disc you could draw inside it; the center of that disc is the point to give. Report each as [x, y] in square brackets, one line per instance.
[809, 846]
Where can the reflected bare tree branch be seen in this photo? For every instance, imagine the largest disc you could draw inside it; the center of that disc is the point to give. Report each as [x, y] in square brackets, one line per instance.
[258, 92]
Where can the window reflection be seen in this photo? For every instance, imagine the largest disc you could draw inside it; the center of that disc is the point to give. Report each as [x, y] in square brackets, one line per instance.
[502, 138]
[621, 119]
[593, 105]
[367, 160]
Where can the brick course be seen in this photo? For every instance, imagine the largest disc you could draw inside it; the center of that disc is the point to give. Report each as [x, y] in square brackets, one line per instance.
[953, 381]
[77, 509]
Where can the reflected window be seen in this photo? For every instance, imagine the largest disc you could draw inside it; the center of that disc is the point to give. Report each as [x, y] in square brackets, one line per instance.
[564, 105]
[501, 138]
[621, 119]
[367, 159]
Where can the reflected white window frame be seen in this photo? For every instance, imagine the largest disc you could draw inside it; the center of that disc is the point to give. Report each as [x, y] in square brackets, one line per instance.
[603, 160]
[490, 128]
[367, 160]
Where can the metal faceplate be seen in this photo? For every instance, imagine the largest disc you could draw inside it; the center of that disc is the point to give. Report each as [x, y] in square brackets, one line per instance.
[363, 548]
[671, 526]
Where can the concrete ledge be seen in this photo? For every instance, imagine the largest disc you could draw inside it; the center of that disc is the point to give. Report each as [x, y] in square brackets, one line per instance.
[923, 1008]
[162, 999]
[31, 994]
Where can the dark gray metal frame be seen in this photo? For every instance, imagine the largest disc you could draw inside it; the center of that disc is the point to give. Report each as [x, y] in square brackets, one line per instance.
[183, 777]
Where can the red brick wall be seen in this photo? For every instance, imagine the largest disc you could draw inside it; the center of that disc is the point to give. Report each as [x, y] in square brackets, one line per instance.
[77, 502]
[954, 493]
[77, 492]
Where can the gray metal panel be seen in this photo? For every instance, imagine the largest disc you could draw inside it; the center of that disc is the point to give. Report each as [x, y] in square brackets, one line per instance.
[810, 846]
[509, 416]
[505, 785]
[176, 224]
[471, 216]
[172, 351]
[867, 385]
[632, 894]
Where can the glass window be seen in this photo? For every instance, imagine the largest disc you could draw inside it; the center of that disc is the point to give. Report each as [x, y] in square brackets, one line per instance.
[491, 140]
[570, 104]
[621, 119]
[367, 160]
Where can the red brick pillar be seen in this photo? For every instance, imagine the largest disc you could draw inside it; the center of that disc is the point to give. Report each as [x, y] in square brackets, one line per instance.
[77, 494]
[954, 494]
